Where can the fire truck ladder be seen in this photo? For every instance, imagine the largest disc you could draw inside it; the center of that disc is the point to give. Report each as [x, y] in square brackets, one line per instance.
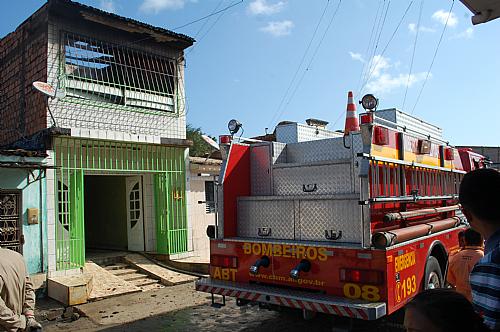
[401, 181]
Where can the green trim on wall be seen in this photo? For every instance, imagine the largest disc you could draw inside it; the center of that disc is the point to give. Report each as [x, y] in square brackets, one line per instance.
[75, 156]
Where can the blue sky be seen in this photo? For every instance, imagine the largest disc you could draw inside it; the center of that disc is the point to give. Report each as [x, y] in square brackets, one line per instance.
[247, 56]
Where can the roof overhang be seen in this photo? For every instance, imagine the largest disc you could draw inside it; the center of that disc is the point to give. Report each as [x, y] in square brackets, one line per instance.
[483, 10]
[75, 11]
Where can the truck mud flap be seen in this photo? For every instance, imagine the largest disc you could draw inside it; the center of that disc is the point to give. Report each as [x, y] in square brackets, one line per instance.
[295, 299]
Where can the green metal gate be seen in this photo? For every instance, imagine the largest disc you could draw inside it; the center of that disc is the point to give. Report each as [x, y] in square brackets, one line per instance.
[74, 157]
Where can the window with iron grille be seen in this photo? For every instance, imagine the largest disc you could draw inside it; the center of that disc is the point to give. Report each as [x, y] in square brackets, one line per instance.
[11, 229]
[105, 72]
[210, 196]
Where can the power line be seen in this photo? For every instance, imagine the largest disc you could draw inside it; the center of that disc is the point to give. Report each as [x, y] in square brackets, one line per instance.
[208, 30]
[387, 45]
[205, 23]
[369, 44]
[434, 57]
[187, 24]
[413, 54]
[379, 34]
[209, 15]
[299, 66]
[312, 58]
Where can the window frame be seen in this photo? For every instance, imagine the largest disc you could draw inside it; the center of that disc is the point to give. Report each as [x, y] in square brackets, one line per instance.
[129, 96]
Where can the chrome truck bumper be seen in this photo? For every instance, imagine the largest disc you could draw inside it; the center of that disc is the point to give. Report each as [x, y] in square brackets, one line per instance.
[294, 299]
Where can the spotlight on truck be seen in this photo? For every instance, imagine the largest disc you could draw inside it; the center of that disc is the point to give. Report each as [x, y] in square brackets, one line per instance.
[263, 261]
[233, 126]
[304, 265]
[369, 102]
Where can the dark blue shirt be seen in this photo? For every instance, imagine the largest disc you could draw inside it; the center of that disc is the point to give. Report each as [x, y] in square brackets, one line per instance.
[485, 283]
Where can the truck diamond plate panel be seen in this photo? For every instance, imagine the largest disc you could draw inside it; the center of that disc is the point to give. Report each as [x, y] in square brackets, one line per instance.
[260, 170]
[279, 153]
[330, 220]
[409, 121]
[257, 217]
[319, 150]
[313, 180]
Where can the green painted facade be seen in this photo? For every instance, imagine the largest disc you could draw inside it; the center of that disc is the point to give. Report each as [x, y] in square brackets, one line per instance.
[77, 157]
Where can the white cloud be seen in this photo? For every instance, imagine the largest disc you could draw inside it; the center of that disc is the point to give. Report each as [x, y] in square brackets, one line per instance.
[278, 29]
[155, 6]
[382, 81]
[261, 7]
[108, 5]
[378, 64]
[357, 57]
[441, 16]
[467, 34]
[413, 28]
[386, 82]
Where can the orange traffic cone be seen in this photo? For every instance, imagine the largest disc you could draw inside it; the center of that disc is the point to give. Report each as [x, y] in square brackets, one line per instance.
[351, 118]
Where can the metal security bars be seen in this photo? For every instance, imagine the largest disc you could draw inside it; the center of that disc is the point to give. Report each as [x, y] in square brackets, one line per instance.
[171, 220]
[105, 72]
[74, 157]
[11, 224]
[210, 196]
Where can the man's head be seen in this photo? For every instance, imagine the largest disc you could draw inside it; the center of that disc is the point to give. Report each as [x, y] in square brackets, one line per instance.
[441, 310]
[480, 198]
[472, 238]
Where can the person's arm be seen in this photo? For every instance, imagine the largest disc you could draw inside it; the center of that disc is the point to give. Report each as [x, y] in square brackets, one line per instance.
[8, 319]
[29, 301]
[485, 280]
[451, 278]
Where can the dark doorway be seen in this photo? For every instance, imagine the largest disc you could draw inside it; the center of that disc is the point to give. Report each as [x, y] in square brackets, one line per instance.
[105, 212]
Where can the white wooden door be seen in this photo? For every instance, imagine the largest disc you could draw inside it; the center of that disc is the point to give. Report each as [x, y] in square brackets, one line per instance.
[135, 214]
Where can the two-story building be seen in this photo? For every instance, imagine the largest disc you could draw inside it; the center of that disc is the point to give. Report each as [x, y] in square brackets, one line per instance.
[115, 134]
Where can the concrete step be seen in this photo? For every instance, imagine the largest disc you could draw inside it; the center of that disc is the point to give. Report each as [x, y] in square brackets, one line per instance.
[152, 287]
[146, 281]
[123, 272]
[135, 276]
[116, 266]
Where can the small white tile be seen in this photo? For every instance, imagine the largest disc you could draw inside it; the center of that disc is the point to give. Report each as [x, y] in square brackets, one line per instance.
[52, 247]
[111, 135]
[51, 233]
[93, 133]
[119, 136]
[52, 262]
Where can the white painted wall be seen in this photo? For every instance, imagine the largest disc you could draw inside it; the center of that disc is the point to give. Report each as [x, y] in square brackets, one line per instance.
[199, 218]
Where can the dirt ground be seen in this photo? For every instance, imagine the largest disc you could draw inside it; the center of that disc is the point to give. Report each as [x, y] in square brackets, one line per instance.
[181, 308]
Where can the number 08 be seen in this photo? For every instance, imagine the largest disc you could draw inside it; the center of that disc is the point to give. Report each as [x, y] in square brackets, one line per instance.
[366, 292]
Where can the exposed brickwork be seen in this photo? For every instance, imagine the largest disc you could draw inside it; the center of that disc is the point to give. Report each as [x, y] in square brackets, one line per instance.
[23, 60]
[33, 52]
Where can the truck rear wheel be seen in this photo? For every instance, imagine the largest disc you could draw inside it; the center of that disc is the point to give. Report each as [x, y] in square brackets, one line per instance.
[433, 275]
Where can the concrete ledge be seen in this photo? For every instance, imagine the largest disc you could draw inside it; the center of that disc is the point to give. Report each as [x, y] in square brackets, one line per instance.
[199, 268]
[39, 281]
[70, 290]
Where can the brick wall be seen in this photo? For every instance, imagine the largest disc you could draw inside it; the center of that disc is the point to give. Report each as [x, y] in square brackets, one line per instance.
[23, 60]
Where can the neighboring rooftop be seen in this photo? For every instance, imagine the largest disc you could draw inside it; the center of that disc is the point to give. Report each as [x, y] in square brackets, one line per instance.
[317, 123]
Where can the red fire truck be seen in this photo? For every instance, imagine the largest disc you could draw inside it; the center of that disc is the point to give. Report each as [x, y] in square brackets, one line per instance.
[352, 226]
